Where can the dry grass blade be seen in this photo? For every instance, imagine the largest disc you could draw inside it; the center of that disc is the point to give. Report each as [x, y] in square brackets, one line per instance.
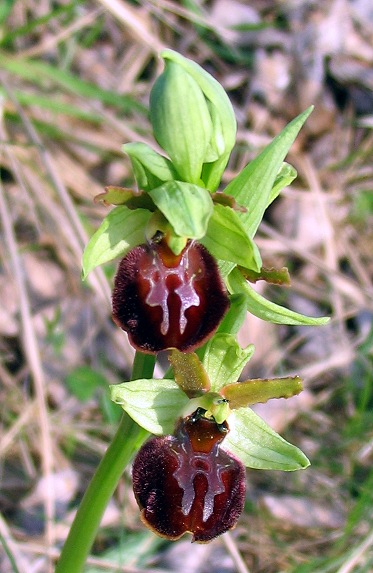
[59, 186]
[18, 561]
[49, 43]
[357, 555]
[31, 350]
[138, 26]
[234, 552]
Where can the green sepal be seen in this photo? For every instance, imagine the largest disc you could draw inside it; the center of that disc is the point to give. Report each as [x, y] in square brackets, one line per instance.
[224, 360]
[284, 177]
[226, 239]
[187, 207]
[154, 404]
[265, 309]
[260, 447]
[121, 230]
[189, 373]
[252, 188]
[249, 392]
[150, 168]
[181, 120]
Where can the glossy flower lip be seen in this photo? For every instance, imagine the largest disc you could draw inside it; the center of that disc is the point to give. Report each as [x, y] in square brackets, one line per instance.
[163, 300]
[187, 483]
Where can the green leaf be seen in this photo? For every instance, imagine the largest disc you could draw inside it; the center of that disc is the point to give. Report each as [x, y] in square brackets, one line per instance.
[150, 168]
[83, 382]
[265, 309]
[224, 360]
[252, 188]
[189, 373]
[249, 392]
[187, 207]
[154, 404]
[181, 120]
[226, 239]
[121, 230]
[260, 447]
[284, 177]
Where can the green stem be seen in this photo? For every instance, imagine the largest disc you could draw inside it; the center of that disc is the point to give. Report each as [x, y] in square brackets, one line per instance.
[126, 442]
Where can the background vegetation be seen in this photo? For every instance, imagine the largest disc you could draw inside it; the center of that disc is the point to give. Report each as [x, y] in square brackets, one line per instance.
[75, 79]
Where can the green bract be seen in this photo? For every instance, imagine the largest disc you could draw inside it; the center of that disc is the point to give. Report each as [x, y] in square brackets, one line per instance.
[265, 309]
[260, 447]
[253, 186]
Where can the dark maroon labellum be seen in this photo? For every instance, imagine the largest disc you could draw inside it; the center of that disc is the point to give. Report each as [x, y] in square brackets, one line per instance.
[163, 300]
[187, 482]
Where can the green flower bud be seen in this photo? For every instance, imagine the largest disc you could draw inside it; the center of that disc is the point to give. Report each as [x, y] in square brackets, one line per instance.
[193, 120]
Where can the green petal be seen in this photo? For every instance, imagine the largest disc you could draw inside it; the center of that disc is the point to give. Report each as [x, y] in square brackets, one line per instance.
[265, 309]
[227, 239]
[154, 404]
[189, 373]
[187, 207]
[224, 360]
[121, 230]
[249, 392]
[150, 168]
[260, 447]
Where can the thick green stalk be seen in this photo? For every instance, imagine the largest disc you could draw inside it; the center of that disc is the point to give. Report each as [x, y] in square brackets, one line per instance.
[126, 442]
